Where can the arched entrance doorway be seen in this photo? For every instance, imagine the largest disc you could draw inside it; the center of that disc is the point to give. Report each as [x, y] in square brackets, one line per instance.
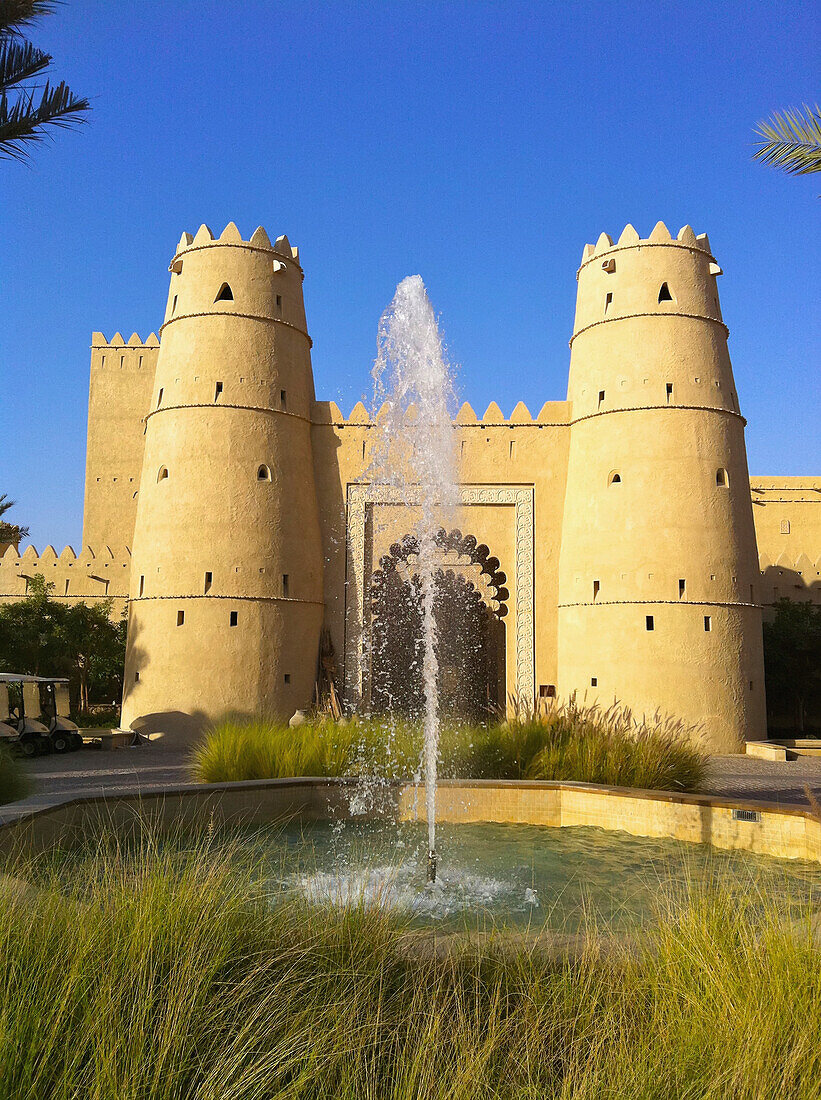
[470, 605]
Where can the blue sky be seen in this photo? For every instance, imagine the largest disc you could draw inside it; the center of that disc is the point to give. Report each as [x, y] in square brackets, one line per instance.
[477, 144]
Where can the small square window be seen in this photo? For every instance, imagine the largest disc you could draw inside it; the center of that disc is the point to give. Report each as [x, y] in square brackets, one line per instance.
[594, 681]
[180, 618]
[785, 527]
[649, 622]
[547, 691]
[287, 677]
[233, 619]
[708, 623]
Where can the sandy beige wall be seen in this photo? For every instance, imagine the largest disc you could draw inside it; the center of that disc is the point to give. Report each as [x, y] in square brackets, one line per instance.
[90, 577]
[122, 376]
[787, 515]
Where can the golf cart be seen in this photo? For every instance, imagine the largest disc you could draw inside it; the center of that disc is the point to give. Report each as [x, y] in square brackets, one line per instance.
[19, 694]
[54, 711]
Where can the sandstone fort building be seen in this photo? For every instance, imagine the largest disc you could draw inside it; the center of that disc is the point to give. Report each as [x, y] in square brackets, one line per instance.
[611, 544]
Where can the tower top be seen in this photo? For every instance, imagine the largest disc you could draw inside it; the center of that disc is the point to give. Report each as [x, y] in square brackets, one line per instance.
[661, 235]
[204, 238]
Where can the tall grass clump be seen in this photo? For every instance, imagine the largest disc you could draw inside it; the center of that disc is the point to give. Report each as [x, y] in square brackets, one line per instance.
[570, 742]
[165, 970]
[592, 745]
[14, 783]
[263, 749]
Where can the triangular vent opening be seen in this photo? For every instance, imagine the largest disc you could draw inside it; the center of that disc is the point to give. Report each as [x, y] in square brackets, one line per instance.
[664, 293]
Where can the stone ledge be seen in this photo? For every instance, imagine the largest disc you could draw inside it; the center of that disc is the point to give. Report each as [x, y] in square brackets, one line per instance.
[42, 821]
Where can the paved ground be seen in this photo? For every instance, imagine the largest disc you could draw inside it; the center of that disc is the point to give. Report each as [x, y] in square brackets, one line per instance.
[94, 772]
[769, 780]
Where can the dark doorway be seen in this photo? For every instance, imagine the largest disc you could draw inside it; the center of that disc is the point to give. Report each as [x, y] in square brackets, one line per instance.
[470, 640]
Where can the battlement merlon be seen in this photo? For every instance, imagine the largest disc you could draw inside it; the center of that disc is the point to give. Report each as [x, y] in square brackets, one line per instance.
[686, 238]
[259, 240]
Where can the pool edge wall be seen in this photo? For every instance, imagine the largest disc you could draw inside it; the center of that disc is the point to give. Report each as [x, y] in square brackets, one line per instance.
[784, 832]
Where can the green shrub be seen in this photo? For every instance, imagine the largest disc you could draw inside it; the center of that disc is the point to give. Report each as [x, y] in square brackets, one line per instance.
[14, 783]
[567, 742]
[161, 972]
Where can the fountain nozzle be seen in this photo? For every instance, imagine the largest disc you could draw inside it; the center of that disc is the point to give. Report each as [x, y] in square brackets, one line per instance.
[433, 859]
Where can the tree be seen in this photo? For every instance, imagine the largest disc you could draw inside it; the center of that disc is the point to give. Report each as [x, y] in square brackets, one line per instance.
[94, 647]
[792, 660]
[29, 104]
[791, 141]
[41, 637]
[10, 532]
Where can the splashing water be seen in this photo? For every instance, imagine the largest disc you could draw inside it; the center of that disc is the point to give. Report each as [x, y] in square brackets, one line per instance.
[414, 453]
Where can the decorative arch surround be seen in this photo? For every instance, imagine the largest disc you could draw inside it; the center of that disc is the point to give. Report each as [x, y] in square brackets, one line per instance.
[360, 501]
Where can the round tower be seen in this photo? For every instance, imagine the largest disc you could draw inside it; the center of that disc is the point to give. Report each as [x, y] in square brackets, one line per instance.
[226, 580]
[658, 577]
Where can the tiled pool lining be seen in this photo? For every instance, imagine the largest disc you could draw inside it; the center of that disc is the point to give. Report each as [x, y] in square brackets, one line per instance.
[753, 826]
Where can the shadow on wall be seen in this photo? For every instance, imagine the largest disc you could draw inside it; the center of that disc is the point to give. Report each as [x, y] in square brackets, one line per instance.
[780, 582]
[178, 729]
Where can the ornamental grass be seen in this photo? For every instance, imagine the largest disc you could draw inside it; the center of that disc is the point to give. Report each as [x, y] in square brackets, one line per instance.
[164, 970]
[563, 742]
[14, 782]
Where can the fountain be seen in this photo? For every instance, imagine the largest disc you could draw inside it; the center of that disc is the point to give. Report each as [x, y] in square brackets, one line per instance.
[414, 404]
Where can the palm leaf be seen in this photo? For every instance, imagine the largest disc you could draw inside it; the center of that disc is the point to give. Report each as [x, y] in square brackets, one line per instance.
[19, 61]
[791, 141]
[21, 121]
[15, 14]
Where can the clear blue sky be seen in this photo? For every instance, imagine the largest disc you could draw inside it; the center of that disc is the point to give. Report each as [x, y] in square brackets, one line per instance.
[477, 144]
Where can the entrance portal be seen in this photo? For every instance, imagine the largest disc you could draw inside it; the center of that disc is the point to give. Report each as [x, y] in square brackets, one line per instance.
[470, 604]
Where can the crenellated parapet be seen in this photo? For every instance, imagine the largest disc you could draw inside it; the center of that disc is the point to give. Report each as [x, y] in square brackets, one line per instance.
[118, 341]
[552, 413]
[259, 239]
[661, 235]
[93, 575]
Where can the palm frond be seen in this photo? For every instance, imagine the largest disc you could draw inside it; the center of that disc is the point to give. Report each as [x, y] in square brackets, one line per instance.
[791, 141]
[22, 121]
[19, 60]
[17, 14]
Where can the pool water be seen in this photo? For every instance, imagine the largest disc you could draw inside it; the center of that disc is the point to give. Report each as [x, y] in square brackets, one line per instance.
[519, 876]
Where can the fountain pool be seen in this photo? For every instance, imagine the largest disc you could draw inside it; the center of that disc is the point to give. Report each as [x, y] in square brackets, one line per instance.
[513, 876]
